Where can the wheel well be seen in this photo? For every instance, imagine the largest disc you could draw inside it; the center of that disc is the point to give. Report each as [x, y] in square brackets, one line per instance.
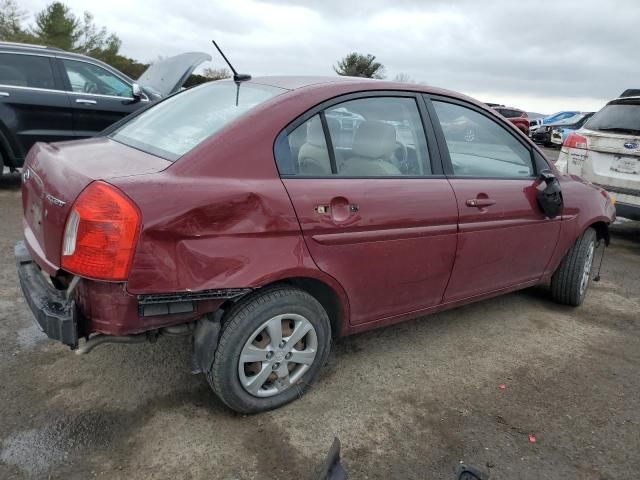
[602, 231]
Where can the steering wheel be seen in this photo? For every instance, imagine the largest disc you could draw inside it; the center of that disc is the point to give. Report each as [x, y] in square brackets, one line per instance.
[90, 87]
[401, 161]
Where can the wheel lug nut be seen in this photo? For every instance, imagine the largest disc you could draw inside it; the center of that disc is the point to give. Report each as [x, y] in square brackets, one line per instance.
[269, 355]
[282, 343]
[288, 356]
[275, 366]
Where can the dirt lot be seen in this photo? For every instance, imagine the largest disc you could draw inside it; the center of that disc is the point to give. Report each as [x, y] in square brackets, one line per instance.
[410, 401]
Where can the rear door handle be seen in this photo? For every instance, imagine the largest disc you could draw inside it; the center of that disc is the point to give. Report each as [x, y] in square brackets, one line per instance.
[480, 202]
[84, 101]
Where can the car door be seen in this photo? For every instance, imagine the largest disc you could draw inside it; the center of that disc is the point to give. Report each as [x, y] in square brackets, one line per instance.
[504, 238]
[374, 208]
[33, 104]
[98, 97]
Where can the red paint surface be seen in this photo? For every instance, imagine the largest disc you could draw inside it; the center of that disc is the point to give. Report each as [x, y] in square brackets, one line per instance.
[220, 217]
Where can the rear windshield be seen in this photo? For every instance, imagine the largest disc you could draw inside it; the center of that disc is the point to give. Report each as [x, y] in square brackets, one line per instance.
[507, 113]
[180, 123]
[621, 117]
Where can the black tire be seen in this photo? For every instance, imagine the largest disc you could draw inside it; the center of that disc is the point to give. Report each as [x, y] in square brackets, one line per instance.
[241, 322]
[567, 279]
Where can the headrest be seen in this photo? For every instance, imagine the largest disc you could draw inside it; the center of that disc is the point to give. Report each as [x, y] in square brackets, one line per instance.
[374, 140]
[315, 134]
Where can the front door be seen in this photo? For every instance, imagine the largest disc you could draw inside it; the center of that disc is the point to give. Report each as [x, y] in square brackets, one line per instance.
[98, 97]
[504, 237]
[375, 211]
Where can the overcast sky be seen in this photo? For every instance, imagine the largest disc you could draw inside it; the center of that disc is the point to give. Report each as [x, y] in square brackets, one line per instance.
[540, 55]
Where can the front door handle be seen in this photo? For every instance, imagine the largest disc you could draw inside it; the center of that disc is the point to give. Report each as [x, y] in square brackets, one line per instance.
[4, 94]
[480, 202]
[85, 101]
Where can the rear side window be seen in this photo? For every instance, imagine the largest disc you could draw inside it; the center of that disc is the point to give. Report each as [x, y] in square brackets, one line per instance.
[181, 122]
[622, 117]
[26, 71]
[479, 146]
[366, 137]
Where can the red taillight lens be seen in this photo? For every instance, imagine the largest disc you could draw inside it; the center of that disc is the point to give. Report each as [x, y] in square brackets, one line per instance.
[101, 234]
[575, 141]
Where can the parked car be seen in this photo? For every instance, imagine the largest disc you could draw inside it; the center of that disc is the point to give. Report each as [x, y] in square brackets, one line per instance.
[542, 134]
[561, 130]
[606, 152]
[205, 215]
[47, 94]
[533, 125]
[518, 117]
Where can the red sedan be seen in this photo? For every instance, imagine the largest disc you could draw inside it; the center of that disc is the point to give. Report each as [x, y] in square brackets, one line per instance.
[267, 217]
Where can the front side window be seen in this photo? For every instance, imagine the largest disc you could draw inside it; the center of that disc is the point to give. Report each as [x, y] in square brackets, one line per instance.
[26, 71]
[181, 122]
[479, 146]
[370, 137]
[88, 78]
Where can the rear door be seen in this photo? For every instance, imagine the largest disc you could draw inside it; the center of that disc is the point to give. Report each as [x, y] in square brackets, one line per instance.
[504, 238]
[98, 97]
[375, 210]
[33, 104]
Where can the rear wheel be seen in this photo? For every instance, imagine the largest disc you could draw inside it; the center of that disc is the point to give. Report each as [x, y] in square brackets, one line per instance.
[571, 280]
[271, 348]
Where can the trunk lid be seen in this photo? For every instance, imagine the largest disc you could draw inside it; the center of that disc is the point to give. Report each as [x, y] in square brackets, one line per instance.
[167, 76]
[53, 177]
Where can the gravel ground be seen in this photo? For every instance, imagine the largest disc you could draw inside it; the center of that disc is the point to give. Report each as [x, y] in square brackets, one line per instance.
[410, 401]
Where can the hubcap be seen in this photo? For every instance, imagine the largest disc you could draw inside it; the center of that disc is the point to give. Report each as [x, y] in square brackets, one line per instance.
[277, 354]
[586, 272]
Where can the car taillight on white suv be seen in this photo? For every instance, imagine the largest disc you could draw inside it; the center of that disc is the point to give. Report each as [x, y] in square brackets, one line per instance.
[575, 140]
[101, 234]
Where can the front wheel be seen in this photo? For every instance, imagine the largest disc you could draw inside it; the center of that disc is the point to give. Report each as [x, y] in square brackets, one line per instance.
[271, 348]
[570, 281]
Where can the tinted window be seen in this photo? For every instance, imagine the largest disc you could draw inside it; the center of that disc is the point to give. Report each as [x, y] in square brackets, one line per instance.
[26, 71]
[87, 78]
[479, 146]
[622, 117]
[176, 125]
[507, 113]
[371, 137]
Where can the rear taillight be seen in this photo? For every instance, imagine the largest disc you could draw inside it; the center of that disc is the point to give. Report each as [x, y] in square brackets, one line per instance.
[575, 141]
[101, 234]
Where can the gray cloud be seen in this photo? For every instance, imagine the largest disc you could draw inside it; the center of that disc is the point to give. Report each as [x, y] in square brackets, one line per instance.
[573, 54]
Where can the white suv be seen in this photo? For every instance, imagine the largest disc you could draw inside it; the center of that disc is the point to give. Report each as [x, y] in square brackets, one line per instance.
[606, 152]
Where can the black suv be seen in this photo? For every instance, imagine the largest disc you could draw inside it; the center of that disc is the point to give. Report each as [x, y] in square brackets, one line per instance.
[47, 95]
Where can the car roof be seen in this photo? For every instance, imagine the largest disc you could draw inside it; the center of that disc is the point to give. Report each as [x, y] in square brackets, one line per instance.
[354, 84]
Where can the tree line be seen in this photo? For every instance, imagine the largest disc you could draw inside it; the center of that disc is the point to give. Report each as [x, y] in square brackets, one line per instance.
[57, 26]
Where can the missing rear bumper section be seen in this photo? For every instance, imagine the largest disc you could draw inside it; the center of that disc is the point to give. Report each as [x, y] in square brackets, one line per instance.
[55, 313]
[184, 302]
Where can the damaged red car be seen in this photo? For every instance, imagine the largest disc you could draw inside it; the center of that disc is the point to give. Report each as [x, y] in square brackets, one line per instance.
[267, 217]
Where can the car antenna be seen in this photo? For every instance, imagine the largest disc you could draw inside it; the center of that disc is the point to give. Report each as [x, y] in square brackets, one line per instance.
[237, 77]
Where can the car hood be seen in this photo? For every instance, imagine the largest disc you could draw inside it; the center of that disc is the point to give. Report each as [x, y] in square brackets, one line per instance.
[167, 76]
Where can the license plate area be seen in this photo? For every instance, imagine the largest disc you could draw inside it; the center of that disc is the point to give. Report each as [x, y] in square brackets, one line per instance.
[628, 165]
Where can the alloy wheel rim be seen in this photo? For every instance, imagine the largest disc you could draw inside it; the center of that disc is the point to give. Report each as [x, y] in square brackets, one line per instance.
[277, 354]
[586, 272]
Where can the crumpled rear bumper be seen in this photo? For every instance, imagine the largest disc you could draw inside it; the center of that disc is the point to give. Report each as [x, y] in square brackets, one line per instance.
[55, 313]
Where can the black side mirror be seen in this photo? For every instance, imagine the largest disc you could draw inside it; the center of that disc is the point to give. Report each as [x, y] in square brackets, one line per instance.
[550, 194]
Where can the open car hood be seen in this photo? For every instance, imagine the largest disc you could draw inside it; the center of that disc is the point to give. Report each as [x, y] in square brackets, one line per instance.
[167, 76]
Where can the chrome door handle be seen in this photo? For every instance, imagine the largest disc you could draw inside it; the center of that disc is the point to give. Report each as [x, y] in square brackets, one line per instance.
[4, 94]
[84, 101]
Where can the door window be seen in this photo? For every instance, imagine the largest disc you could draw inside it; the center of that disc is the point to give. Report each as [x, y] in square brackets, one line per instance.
[369, 137]
[88, 78]
[26, 71]
[481, 147]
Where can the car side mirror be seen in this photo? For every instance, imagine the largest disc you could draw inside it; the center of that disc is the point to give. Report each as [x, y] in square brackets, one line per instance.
[136, 92]
[550, 194]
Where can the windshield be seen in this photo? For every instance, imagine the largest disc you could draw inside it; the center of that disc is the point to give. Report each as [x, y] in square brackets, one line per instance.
[617, 117]
[173, 127]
